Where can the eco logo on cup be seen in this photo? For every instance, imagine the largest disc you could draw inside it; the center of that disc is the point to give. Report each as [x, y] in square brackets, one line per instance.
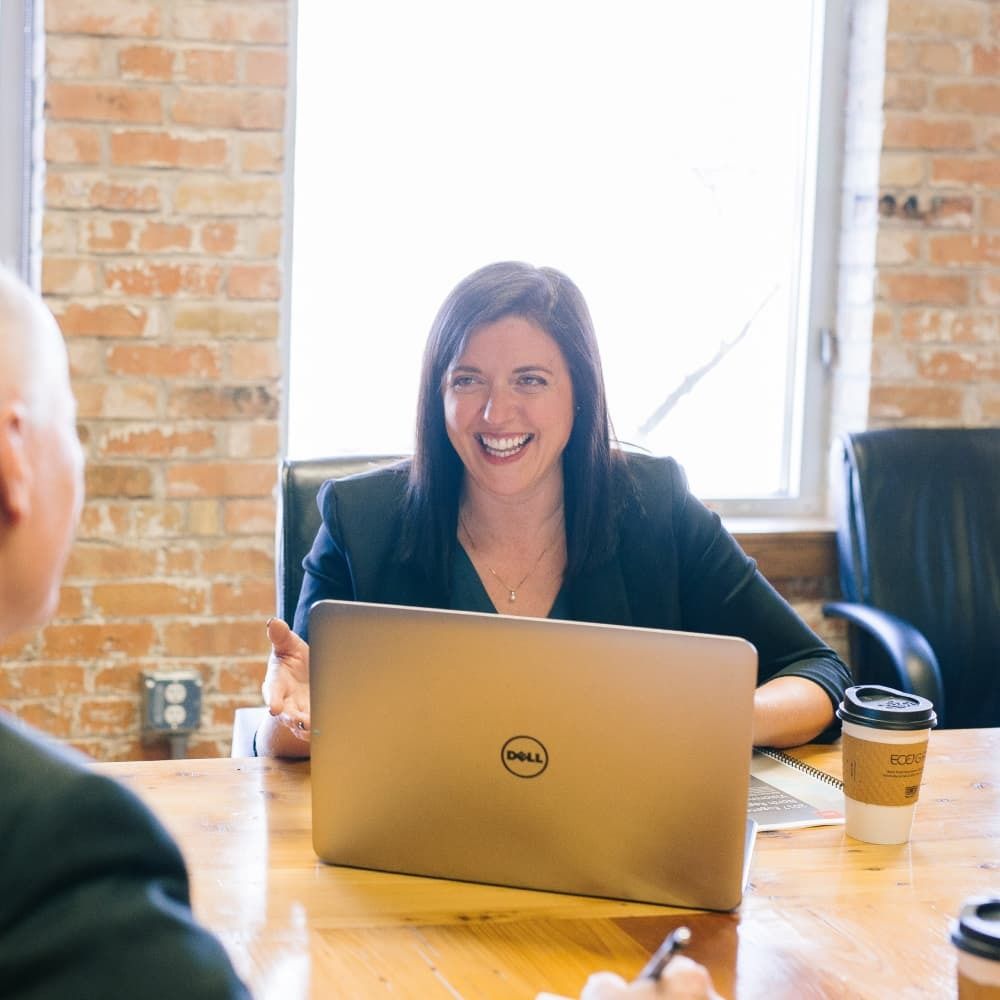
[885, 735]
[976, 935]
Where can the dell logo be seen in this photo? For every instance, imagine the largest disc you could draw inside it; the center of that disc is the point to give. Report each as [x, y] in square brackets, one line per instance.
[524, 756]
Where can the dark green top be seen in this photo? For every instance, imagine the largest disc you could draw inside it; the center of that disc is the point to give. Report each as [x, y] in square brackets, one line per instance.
[93, 891]
[676, 568]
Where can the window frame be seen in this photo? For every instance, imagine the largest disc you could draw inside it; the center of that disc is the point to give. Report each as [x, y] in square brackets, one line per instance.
[823, 172]
[18, 100]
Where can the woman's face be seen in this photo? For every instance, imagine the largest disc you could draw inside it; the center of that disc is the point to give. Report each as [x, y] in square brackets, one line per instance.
[508, 407]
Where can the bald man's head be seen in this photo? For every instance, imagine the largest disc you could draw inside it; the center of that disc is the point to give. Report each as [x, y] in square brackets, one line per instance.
[32, 353]
[41, 463]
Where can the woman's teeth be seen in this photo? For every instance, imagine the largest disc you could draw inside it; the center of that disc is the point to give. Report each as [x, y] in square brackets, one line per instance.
[504, 447]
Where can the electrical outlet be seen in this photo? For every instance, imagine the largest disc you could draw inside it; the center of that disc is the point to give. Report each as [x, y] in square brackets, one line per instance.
[171, 701]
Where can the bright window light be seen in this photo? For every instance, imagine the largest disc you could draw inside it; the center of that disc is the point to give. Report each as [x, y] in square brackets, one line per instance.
[662, 155]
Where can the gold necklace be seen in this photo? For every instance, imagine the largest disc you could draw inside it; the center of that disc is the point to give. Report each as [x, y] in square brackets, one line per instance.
[511, 591]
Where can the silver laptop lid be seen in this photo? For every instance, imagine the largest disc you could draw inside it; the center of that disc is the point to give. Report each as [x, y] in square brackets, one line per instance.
[592, 759]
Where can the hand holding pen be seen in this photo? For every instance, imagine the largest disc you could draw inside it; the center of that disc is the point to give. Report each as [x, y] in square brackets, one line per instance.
[666, 976]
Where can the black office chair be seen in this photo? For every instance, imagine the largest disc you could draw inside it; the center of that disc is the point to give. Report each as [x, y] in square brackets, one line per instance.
[299, 518]
[918, 539]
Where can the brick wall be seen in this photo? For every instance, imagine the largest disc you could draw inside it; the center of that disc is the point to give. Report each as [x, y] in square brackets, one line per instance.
[161, 238]
[936, 334]
[161, 234]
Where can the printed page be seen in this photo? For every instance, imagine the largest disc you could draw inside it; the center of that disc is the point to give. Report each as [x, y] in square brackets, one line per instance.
[782, 797]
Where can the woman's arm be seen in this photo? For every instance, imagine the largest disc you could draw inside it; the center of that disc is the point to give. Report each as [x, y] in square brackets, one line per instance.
[788, 711]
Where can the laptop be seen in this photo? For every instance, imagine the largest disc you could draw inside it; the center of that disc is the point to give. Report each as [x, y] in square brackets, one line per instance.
[598, 760]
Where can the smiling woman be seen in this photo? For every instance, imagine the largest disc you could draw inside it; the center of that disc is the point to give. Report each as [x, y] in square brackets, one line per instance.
[515, 502]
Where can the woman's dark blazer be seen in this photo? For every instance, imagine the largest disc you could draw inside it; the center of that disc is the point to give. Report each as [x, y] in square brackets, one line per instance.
[676, 568]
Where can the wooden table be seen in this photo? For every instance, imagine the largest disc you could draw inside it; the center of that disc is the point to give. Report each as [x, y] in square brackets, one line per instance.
[824, 916]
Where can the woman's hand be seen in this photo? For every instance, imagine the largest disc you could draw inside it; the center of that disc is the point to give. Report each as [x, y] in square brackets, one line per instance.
[286, 694]
[682, 979]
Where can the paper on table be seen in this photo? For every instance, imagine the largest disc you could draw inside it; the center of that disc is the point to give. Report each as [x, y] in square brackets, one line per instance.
[782, 797]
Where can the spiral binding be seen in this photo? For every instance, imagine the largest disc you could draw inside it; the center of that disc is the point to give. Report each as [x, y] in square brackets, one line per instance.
[783, 758]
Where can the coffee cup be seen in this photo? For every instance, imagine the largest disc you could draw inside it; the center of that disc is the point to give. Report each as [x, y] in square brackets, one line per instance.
[976, 935]
[884, 740]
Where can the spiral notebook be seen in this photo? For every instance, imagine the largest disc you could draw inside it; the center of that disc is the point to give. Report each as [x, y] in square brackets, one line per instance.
[786, 793]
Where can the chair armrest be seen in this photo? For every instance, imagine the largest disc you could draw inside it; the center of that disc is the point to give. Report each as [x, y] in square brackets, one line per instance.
[910, 653]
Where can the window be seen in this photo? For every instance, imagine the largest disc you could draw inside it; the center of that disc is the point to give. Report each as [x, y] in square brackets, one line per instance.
[666, 158]
[16, 104]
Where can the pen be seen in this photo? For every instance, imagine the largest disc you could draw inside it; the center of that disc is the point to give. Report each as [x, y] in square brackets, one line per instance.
[674, 941]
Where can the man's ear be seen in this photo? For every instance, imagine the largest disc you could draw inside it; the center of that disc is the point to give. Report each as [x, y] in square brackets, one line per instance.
[15, 469]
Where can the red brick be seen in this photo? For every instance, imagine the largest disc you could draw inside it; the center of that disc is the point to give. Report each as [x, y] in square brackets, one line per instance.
[986, 60]
[258, 439]
[156, 442]
[231, 22]
[72, 144]
[163, 280]
[244, 598]
[88, 641]
[961, 18]
[905, 92]
[230, 402]
[263, 154]
[107, 715]
[236, 109]
[240, 679]
[136, 599]
[181, 562]
[939, 57]
[77, 190]
[989, 290]
[249, 517]
[971, 170]
[163, 360]
[254, 360]
[161, 149]
[953, 213]
[949, 326]
[102, 321]
[991, 212]
[254, 281]
[926, 133]
[977, 99]
[118, 399]
[41, 680]
[104, 520]
[901, 401]
[959, 365]
[196, 196]
[965, 250]
[237, 558]
[158, 519]
[898, 55]
[119, 678]
[54, 721]
[103, 235]
[90, 560]
[119, 481]
[105, 103]
[215, 638]
[68, 276]
[219, 237]
[268, 240]
[224, 321]
[72, 603]
[163, 236]
[74, 58]
[220, 479]
[146, 62]
[109, 17]
[931, 289]
[265, 68]
[210, 65]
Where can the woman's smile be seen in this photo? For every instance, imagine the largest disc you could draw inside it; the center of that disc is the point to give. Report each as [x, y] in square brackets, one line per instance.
[508, 407]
